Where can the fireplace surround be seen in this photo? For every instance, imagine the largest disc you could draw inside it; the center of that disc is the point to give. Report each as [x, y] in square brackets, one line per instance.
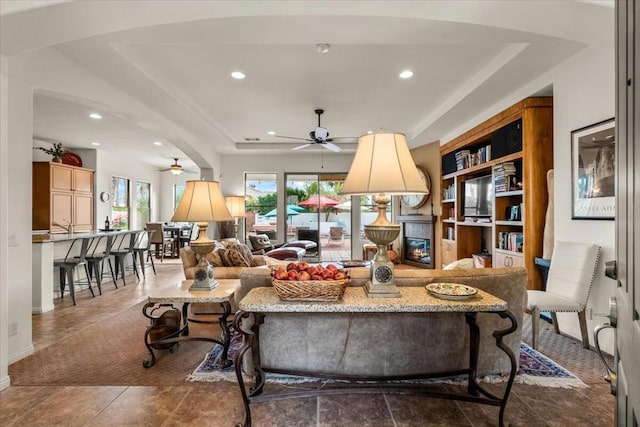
[417, 243]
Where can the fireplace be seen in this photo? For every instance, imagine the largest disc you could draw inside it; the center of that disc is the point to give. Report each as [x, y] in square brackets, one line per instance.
[417, 240]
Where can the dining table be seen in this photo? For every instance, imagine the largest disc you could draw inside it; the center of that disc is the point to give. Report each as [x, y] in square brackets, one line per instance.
[175, 231]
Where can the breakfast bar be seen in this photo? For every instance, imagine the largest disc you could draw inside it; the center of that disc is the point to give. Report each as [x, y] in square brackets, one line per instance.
[260, 303]
[45, 248]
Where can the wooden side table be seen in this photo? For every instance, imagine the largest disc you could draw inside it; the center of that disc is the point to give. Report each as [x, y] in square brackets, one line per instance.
[159, 335]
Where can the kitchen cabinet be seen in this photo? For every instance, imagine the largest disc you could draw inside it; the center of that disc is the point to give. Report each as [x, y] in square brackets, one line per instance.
[62, 194]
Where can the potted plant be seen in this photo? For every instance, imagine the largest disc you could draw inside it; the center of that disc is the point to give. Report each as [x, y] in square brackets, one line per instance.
[56, 151]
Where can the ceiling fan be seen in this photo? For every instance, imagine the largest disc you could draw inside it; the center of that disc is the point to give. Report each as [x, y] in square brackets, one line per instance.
[319, 135]
[175, 168]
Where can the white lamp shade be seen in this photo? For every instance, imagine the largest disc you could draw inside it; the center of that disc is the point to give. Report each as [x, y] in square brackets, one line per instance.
[236, 206]
[383, 164]
[202, 201]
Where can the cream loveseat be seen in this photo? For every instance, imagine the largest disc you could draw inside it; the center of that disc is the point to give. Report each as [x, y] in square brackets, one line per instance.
[391, 343]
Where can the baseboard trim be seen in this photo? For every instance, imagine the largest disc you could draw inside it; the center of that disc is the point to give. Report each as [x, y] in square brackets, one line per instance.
[28, 351]
[43, 309]
[5, 382]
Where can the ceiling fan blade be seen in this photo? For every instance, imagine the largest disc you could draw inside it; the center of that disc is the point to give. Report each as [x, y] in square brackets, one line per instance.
[292, 137]
[345, 138]
[300, 147]
[331, 147]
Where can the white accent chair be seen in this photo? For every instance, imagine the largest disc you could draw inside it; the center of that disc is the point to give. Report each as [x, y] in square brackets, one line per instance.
[573, 267]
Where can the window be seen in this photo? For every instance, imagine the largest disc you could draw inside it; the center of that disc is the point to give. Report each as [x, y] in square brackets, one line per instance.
[120, 204]
[143, 203]
[261, 195]
[178, 191]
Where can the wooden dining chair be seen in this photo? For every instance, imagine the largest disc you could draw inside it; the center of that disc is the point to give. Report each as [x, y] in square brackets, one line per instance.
[160, 241]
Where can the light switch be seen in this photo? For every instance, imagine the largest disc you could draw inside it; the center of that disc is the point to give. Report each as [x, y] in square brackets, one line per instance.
[13, 239]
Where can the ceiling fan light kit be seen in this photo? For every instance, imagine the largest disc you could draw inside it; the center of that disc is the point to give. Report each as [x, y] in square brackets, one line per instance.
[320, 136]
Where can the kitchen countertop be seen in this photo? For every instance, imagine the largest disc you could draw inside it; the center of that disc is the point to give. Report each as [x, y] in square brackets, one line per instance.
[61, 237]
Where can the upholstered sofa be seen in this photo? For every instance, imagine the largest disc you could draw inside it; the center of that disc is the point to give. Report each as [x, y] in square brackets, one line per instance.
[190, 262]
[394, 343]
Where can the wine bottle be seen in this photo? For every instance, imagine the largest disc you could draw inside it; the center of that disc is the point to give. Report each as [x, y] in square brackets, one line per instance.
[106, 223]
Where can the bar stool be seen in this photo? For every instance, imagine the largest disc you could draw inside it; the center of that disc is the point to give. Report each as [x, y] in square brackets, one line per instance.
[99, 250]
[142, 245]
[74, 257]
[122, 247]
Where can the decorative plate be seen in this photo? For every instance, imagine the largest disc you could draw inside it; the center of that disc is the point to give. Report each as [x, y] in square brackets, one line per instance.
[451, 291]
[69, 158]
[353, 263]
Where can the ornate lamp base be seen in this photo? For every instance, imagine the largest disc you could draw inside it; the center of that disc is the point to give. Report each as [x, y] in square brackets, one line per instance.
[203, 279]
[381, 283]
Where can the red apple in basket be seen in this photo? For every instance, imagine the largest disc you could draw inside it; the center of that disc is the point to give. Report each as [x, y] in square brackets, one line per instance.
[339, 275]
[293, 275]
[312, 269]
[302, 266]
[332, 268]
[292, 266]
[281, 274]
[316, 277]
[304, 276]
[327, 274]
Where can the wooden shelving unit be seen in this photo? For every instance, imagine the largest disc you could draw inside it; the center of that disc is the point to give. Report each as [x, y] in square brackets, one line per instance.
[513, 235]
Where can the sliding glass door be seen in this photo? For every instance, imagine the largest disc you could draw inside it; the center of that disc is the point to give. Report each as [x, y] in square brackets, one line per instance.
[316, 211]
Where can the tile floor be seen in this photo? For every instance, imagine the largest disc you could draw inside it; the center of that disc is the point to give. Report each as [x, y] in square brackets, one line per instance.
[219, 404]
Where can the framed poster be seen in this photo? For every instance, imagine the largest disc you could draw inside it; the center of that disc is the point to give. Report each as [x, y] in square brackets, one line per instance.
[593, 171]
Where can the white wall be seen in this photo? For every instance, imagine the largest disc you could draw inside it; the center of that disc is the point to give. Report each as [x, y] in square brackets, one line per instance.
[18, 198]
[109, 165]
[4, 207]
[584, 93]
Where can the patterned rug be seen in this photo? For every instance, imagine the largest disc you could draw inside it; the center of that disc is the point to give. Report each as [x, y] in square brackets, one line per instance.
[535, 369]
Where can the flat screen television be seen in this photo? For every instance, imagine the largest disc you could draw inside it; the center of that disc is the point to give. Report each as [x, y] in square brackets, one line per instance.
[477, 196]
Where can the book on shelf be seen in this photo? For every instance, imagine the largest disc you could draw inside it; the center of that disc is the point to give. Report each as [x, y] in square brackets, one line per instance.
[511, 241]
[466, 158]
[505, 177]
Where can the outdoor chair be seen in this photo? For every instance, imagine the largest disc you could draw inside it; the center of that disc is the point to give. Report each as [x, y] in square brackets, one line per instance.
[336, 234]
[573, 267]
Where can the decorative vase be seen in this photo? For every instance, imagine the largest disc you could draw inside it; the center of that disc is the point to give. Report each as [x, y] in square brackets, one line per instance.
[56, 160]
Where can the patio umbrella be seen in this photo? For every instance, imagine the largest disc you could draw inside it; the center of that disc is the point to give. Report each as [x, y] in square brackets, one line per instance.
[319, 201]
[346, 206]
[296, 208]
[274, 212]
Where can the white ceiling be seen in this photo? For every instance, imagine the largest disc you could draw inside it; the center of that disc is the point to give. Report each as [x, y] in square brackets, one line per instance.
[172, 62]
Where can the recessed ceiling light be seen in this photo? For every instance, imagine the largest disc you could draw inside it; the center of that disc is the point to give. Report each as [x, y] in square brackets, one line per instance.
[406, 74]
[271, 132]
[238, 75]
[158, 143]
[95, 116]
[323, 47]
[95, 143]
[369, 132]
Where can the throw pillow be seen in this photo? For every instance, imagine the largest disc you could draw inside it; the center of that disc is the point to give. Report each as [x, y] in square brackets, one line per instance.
[233, 258]
[460, 264]
[215, 259]
[245, 251]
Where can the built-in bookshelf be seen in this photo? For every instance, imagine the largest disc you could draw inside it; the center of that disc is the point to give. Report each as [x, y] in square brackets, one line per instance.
[515, 148]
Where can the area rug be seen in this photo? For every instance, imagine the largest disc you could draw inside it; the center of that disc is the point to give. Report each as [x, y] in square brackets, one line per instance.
[535, 369]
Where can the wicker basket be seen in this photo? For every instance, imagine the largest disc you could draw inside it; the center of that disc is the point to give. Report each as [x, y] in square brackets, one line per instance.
[310, 290]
